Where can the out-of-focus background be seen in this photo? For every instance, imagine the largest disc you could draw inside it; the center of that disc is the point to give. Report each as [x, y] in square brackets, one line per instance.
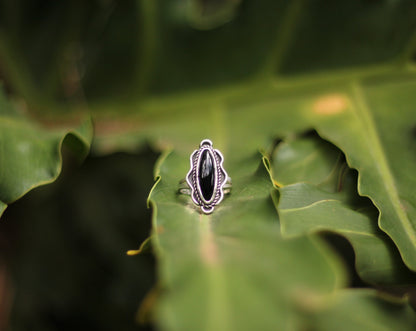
[108, 54]
[63, 262]
[63, 248]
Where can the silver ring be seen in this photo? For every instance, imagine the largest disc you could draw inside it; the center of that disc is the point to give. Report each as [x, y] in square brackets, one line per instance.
[207, 181]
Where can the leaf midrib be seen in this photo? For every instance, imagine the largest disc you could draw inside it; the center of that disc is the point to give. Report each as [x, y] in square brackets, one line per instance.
[208, 250]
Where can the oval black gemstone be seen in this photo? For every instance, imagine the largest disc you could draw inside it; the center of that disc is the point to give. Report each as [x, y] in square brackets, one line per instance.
[206, 175]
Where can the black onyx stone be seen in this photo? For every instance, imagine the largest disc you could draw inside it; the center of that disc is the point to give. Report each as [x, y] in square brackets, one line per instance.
[206, 175]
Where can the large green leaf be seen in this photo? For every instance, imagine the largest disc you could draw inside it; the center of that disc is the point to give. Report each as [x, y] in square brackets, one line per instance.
[364, 310]
[304, 208]
[309, 160]
[338, 114]
[273, 102]
[31, 155]
[375, 131]
[218, 267]
[332, 204]
[243, 84]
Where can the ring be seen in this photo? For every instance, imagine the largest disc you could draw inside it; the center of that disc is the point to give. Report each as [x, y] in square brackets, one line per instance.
[207, 181]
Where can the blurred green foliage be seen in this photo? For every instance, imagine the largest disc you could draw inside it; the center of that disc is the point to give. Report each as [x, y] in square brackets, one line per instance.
[77, 51]
[250, 75]
[66, 247]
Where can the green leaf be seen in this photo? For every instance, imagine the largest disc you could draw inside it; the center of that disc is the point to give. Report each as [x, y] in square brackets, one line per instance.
[3, 206]
[364, 310]
[209, 15]
[333, 206]
[243, 85]
[218, 267]
[310, 160]
[378, 142]
[304, 208]
[31, 155]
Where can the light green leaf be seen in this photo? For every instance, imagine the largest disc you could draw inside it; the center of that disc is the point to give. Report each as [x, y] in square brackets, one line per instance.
[364, 310]
[376, 141]
[375, 130]
[272, 71]
[304, 209]
[3, 206]
[308, 159]
[218, 268]
[30, 155]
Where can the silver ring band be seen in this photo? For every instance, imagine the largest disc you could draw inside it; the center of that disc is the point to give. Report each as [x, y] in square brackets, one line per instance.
[207, 181]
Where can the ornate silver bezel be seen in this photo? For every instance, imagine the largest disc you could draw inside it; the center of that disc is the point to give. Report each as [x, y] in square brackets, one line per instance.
[220, 177]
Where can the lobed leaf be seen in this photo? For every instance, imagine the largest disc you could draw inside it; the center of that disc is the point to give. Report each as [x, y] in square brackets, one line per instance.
[243, 105]
[378, 142]
[332, 204]
[364, 309]
[217, 268]
[31, 155]
[309, 160]
[304, 209]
